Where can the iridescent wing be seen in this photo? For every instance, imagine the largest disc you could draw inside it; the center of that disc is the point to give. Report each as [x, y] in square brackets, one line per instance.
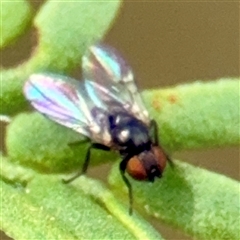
[109, 78]
[65, 101]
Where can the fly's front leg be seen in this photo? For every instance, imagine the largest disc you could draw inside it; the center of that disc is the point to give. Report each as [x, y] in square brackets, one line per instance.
[154, 132]
[86, 161]
[123, 166]
[154, 136]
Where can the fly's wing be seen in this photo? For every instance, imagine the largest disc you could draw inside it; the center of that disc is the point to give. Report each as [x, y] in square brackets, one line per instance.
[64, 100]
[110, 78]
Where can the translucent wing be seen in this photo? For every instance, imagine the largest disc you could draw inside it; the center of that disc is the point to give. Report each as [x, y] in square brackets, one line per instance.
[65, 101]
[110, 78]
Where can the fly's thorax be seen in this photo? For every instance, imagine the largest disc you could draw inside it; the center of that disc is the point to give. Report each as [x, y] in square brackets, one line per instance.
[147, 165]
[128, 131]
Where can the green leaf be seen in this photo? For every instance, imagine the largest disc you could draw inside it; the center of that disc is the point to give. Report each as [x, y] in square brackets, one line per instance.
[65, 29]
[49, 209]
[197, 115]
[41, 144]
[201, 203]
[12, 24]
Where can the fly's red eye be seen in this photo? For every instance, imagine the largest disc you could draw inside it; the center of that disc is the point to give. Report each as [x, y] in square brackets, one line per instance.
[160, 157]
[136, 169]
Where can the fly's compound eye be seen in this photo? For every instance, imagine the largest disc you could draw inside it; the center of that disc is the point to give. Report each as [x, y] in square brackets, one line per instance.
[136, 169]
[160, 157]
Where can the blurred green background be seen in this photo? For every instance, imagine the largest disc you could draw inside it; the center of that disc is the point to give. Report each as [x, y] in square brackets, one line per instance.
[167, 43]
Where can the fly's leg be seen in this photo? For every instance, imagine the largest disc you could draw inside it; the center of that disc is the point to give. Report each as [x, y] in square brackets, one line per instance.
[154, 132]
[122, 167]
[78, 142]
[86, 161]
[87, 158]
[83, 170]
[154, 135]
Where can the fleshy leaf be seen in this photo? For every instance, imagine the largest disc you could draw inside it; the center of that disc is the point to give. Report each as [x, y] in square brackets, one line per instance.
[12, 24]
[197, 115]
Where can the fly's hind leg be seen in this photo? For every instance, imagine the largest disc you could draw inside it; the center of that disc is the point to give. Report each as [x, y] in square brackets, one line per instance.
[86, 161]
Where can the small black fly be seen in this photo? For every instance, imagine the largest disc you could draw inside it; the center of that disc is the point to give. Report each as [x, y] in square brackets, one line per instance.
[107, 108]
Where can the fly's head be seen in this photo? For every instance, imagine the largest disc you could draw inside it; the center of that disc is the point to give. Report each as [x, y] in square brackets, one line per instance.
[147, 165]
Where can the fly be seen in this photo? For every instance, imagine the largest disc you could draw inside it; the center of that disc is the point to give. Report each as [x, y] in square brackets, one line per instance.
[107, 108]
